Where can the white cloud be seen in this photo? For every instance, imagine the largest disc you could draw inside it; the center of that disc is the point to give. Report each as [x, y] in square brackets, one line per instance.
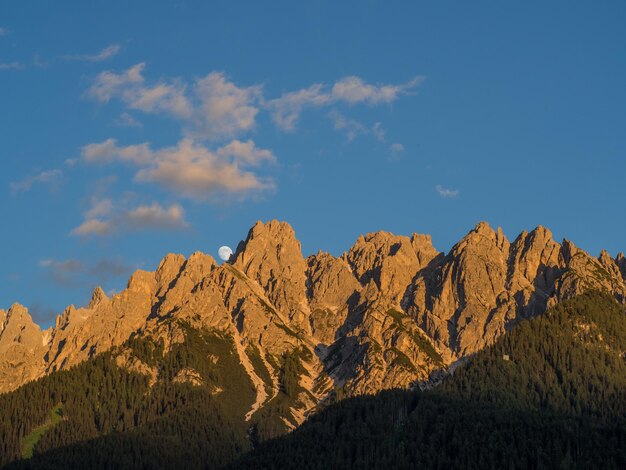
[216, 109]
[396, 148]
[379, 132]
[92, 227]
[3, 31]
[193, 171]
[51, 177]
[103, 55]
[225, 109]
[11, 66]
[73, 272]
[99, 208]
[287, 109]
[102, 219]
[354, 90]
[351, 127]
[68, 265]
[109, 84]
[246, 153]
[190, 169]
[127, 120]
[156, 217]
[446, 192]
[108, 151]
[168, 98]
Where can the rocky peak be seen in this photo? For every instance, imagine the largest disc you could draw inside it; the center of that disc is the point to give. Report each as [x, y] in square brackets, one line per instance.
[390, 261]
[19, 327]
[275, 234]
[200, 264]
[620, 260]
[64, 319]
[484, 236]
[424, 249]
[534, 262]
[18, 313]
[97, 298]
[272, 256]
[610, 265]
[142, 281]
[455, 303]
[22, 348]
[568, 251]
[364, 314]
[168, 270]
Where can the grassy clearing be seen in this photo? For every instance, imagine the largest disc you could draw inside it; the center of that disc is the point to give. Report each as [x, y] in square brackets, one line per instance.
[30, 441]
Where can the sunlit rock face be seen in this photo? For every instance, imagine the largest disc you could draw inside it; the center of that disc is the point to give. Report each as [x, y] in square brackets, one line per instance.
[387, 313]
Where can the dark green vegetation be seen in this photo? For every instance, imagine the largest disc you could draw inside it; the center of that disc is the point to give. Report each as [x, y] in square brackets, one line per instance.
[113, 418]
[30, 441]
[416, 336]
[559, 402]
[268, 421]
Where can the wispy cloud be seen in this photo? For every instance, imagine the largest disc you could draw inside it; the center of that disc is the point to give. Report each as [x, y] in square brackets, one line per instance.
[130, 87]
[354, 90]
[42, 314]
[210, 162]
[225, 110]
[49, 177]
[396, 149]
[104, 219]
[127, 120]
[101, 56]
[109, 84]
[108, 152]
[286, 110]
[63, 272]
[379, 132]
[190, 169]
[446, 192]
[353, 128]
[73, 272]
[4, 31]
[215, 108]
[11, 66]
[351, 90]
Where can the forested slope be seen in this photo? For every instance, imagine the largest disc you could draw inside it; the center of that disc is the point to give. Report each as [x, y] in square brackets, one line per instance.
[559, 401]
[550, 394]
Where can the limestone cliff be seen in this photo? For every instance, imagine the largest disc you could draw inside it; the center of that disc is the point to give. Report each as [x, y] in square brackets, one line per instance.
[388, 313]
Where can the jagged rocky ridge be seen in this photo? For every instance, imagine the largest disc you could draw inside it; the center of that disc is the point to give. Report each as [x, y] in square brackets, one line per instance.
[391, 312]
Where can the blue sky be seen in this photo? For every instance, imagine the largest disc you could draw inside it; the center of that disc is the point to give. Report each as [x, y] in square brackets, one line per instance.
[133, 129]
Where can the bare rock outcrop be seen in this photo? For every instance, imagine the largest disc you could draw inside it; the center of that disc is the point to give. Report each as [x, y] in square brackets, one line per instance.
[388, 313]
[22, 348]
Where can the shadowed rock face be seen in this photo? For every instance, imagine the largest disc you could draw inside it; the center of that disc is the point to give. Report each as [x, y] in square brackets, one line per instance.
[386, 314]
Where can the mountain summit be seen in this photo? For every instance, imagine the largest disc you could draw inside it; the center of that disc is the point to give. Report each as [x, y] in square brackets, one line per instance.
[390, 312]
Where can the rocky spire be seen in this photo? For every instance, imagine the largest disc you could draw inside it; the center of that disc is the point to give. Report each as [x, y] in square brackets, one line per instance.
[620, 260]
[97, 298]
[390, 261]
[357, 314]
[22, 348]
[272, 256]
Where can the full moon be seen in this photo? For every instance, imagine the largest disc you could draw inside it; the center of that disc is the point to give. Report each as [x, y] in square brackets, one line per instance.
[225, 253]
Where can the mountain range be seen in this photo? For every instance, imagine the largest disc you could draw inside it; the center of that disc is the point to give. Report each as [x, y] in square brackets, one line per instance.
[290, 335]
